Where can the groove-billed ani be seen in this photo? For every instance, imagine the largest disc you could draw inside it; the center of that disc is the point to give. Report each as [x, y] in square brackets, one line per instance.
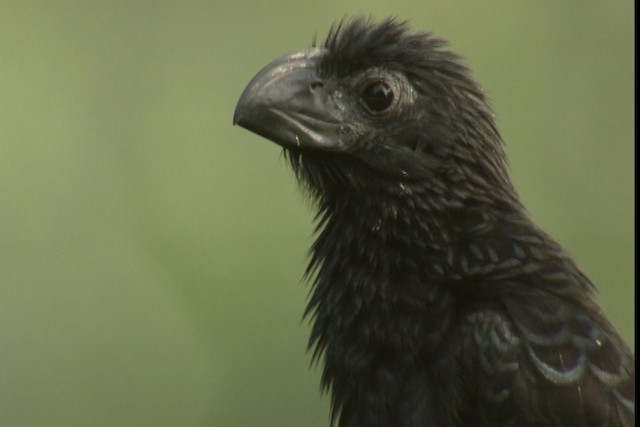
[436, 300]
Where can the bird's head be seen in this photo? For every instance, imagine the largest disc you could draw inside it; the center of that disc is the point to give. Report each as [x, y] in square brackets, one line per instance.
[377, 102]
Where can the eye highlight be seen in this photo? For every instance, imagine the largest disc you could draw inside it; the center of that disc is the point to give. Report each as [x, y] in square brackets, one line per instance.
[377, 96]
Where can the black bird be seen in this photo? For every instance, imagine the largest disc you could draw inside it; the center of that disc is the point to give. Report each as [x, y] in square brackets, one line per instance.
[436, 300]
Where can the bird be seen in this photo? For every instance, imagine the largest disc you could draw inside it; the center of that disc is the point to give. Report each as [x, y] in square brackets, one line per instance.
[435, 299]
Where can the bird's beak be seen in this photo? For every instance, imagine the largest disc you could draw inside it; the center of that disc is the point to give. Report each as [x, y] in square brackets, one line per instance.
[287, 103]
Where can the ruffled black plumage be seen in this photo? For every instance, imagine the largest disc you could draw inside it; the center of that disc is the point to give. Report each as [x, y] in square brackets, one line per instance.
[436, 301]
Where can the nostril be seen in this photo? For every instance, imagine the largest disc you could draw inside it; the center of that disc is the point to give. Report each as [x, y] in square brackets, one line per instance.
[315, 86]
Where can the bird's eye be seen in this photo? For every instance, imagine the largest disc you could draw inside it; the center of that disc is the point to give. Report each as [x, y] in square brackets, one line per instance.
[377, 96]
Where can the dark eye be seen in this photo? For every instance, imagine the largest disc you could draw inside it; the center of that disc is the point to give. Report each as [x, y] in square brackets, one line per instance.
[377, 96]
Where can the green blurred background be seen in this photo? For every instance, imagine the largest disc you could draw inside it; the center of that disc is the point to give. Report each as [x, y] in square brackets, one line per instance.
[151, 253]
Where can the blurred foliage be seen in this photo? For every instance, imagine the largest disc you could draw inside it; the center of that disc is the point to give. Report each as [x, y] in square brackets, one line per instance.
[151, 254]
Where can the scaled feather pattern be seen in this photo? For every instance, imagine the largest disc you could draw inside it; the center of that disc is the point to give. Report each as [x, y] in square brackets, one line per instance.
[436, 300]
